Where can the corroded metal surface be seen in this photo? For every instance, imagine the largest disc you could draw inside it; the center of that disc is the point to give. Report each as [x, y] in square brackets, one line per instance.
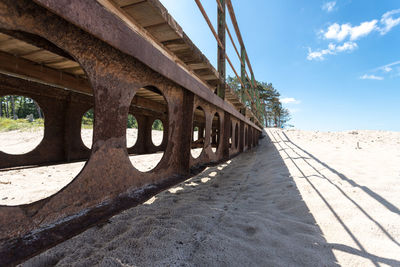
[62, 137]
[109, 182]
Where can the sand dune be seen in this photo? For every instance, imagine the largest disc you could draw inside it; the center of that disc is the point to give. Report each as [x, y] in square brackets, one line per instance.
[301, 199]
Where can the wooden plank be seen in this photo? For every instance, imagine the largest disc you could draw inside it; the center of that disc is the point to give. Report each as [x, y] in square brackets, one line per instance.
[19, 66]
[139, 101]
[36, 41]
[162, 32]
[4, 37]
[16, 47]
[176, 45]
[198, 66]
[127, 2]
[144, 13]
[43, 57]
[65, 64]
[202, 72]
[210, 77]
[31, 52]
[75, 71]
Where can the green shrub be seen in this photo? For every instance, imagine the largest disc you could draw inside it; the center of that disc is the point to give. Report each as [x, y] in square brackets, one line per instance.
[7, 124]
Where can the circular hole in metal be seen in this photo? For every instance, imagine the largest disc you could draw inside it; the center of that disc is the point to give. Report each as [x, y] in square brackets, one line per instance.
[215, 133]
[87, 128]
[21, 124]
[147, 104]
[50, 168]
[198, 133]
[131, 131]
[157, 132]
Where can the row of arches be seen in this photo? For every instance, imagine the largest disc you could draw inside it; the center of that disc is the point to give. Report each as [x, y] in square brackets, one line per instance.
[13, 144]
[208, 133]
[157, 134]
[206, 137]
[32, 128]
[146, 140]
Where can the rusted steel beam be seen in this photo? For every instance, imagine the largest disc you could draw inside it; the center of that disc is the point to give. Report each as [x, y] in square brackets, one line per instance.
[103, 24]
[109, 182]
[169, 47]
[17, 250]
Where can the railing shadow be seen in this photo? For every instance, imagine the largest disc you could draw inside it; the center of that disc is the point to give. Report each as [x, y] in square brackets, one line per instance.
[374, 195]
[277, 139]
[250, 198]
[337, 187]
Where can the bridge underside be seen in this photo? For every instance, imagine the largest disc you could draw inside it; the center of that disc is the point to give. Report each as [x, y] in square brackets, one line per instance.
[84, 72]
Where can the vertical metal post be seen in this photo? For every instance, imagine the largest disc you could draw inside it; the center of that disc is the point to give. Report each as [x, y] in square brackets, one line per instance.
[221, 50]
[243, 76]
[254, 94]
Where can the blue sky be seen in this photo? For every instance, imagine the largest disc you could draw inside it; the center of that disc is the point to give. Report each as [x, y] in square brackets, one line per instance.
[335, 63]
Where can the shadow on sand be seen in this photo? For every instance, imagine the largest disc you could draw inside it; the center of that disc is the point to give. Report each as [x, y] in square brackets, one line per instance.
[245, 212]
[279, 138]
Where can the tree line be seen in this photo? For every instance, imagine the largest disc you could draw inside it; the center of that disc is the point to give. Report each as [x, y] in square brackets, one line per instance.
[15, 107]
[273, 113]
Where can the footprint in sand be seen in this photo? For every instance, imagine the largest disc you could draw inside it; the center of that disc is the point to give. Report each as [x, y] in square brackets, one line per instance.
[250, 230]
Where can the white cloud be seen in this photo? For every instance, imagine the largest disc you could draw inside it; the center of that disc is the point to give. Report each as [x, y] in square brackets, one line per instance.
[329, 6]
[340, 32]
[348, 46]
[331, 50]
[317, 54]
[348, 34]
[289, 100]
[388, 67]
[371, 77]
[363, 29]
[388, 22]
[337, 32]
[390, 70]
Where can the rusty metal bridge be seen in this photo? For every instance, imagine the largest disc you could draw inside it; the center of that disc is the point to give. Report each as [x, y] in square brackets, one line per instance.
[118, 57]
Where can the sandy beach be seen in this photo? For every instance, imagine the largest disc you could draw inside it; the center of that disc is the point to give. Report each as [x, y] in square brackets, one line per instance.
[302, 198]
